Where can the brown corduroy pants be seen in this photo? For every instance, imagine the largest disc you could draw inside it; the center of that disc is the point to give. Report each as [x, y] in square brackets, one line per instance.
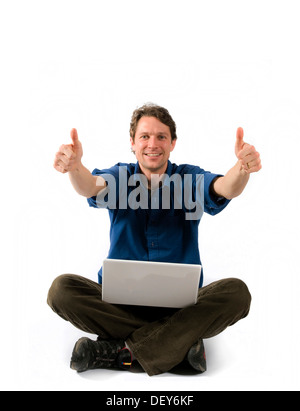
[158, 337]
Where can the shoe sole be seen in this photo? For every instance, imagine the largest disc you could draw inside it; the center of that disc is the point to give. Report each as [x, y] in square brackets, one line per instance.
[80, 356]
[196, 357]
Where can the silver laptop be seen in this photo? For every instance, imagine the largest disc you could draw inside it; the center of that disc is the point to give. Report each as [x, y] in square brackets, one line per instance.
[150, 283]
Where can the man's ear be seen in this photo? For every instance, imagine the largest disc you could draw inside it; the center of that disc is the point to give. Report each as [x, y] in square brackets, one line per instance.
[132, 145]
[173, 144]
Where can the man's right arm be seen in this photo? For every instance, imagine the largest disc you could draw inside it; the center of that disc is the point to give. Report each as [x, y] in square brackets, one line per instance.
[68, 160]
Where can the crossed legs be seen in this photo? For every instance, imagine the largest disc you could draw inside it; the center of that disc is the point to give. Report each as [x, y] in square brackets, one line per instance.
[158, 337]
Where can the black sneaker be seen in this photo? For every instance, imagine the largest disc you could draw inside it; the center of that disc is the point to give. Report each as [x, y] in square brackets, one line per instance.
[196, 356]
[89, 355]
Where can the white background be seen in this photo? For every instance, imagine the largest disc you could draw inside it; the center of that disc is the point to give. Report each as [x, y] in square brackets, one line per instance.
[216, 65]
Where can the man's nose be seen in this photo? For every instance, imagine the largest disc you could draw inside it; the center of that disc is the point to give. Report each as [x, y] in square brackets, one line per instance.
[152, 141]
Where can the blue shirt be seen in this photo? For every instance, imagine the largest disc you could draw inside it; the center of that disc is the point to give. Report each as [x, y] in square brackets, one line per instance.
[153, 232]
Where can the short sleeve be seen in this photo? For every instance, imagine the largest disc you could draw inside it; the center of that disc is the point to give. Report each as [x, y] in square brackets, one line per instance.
[212, 204]
[111, 176]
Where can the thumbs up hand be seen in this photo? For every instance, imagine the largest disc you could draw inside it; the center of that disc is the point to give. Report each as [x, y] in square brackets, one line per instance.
[68, 157]
[249, 158]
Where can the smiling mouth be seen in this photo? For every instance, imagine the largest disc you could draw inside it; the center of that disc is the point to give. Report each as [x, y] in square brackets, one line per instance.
[152, 154]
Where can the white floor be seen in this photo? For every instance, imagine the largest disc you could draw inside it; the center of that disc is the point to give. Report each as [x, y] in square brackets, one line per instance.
[242, 358]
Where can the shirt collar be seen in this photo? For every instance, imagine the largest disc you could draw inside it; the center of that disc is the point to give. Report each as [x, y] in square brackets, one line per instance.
[137, 169]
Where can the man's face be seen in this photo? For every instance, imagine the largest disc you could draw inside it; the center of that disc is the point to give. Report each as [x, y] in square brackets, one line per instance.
[152, 145]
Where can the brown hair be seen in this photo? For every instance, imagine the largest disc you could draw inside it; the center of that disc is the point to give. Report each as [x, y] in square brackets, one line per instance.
[152, 110]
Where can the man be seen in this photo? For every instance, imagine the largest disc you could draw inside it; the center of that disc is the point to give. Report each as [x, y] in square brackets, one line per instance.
[158, 338]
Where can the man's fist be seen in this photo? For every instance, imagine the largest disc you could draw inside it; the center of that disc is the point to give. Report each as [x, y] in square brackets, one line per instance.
[68, 157]
[248, 157]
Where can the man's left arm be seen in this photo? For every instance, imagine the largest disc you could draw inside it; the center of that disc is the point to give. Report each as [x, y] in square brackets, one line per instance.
[236, 179]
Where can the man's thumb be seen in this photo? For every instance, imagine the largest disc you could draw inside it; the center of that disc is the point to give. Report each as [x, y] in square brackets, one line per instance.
[239, 139]
[74, 137]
